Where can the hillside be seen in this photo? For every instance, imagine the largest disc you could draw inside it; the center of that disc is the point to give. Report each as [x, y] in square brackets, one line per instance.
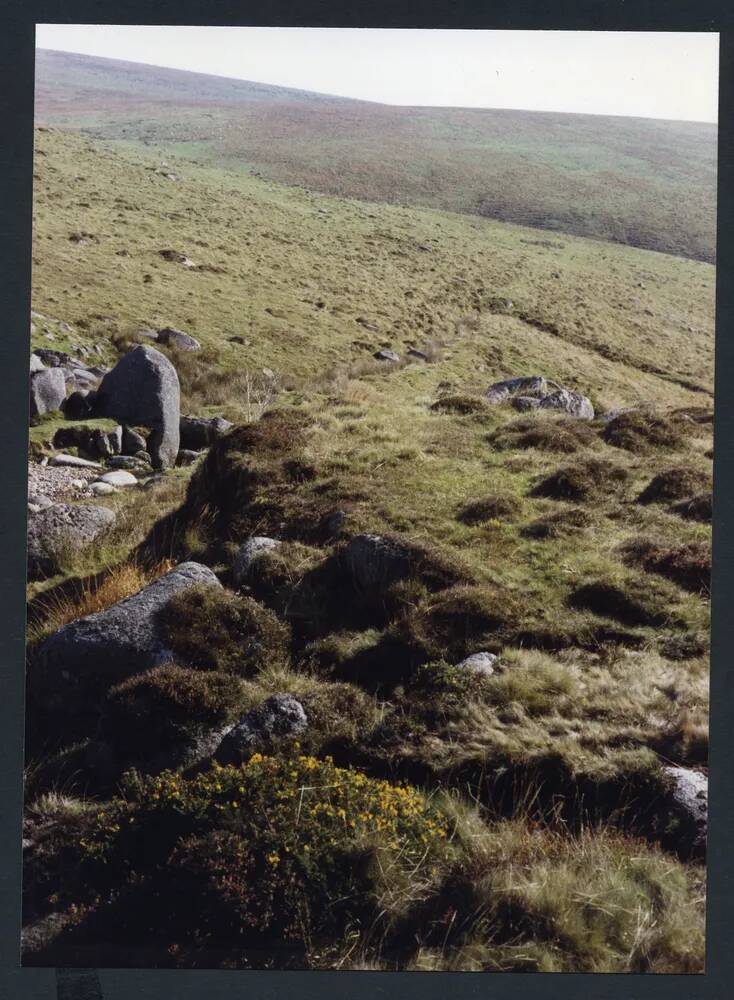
[640, 182]
[517, 819]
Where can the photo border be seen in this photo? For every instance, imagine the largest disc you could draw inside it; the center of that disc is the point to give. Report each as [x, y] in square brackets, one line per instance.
[17, 49]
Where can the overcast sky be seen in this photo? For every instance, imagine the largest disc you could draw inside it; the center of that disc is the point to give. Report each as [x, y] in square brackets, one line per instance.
[649, 74]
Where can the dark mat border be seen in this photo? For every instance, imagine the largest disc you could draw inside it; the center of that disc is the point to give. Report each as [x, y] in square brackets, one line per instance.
[17, 19]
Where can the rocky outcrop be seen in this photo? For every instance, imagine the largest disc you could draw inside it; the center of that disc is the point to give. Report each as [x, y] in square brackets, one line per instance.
[529, 392]
[480, 663]
[569, 402]
[125, 639]
[177, 338]
[61, 528]
[143, 389]
[533, 386]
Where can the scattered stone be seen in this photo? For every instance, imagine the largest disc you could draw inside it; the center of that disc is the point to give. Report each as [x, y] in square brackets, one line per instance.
[176, 257]
[367, 325]
[387, 356]
[248, 554]
[279, 716]
[118, 477]
[143, 389]
[79, 405]
[100, 489]
[689, 804]
[73, 461]
[40, 500]
[570, 402]
[177, 338]
[525, 403]
[130, 461]
[415, 352]
[523, 385]
[47, 391]
[187, 457]
[125, 639]
[61, 528]
[480, 663]
[200, 432]
[54, 359]
[132, 441]
[374, 561]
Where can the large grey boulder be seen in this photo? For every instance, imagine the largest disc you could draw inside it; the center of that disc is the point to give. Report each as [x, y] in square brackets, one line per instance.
[143, 389]
[374, 561]
[689, 807]
[125, 639]
[279, 716]
[570, 402]
[62, 528]
[47, 391]
[524, 385]
[200, 432]
[248, 555]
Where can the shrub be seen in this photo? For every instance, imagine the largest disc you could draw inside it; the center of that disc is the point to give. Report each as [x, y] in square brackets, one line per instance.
[212, 629]
[275, 849]
[674, 484]
[547, 433]
[642, 430]
[489, 508]
[580, 481]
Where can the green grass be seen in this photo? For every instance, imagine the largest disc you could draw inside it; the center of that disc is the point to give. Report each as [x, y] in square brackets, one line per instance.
[567, 737]
[643, 182]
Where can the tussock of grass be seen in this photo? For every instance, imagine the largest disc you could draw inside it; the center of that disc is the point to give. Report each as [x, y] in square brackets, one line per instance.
[489, 508]
[698, 508]
[460, 404]
[581, 481]
[544, 432]
[642, 430]
[211, 629]
[674, 484]
[557, 525]
[688, 565]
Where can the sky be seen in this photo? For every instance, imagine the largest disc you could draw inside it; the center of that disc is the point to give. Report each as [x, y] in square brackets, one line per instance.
[645, 74]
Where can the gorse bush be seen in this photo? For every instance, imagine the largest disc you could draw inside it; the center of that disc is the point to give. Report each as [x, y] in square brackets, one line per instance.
[279, 846]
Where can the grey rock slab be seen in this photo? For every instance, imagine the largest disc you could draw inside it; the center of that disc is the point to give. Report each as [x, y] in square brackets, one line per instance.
[280, 715]
[118, 477]
[480, 663]
[569, 402]
[248, 554]
[73, 462]
[47, 391]
[523, 385]
[177, 338]
[125, 639]
[101, 489]
[200, 432]
[55, 530]
[387, 356]
[143, 389]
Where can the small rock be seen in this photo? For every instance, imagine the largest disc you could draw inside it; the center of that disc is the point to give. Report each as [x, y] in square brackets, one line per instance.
[72, 461]
[132, 441]
[415, 352]
[387, 356]
[36, 365]
[200, 432]
[367, 325]
[525, 403]
[570, 402]
[101, 489]
[480, 663]
[375, 561]
[187, 457]
[523, 385]
[248, 554]
[689, 802]
[118, 477]
[57, 529]
[280, 715]
[47, 391]
[177, 338]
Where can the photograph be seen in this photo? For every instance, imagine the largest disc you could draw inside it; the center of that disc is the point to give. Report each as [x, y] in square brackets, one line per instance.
[369, 499]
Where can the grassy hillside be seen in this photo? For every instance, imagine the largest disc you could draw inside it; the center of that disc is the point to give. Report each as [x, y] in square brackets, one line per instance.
[636, 181]
[498, 823]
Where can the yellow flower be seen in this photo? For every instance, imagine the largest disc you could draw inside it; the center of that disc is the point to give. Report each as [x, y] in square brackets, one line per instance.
[274, 859]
